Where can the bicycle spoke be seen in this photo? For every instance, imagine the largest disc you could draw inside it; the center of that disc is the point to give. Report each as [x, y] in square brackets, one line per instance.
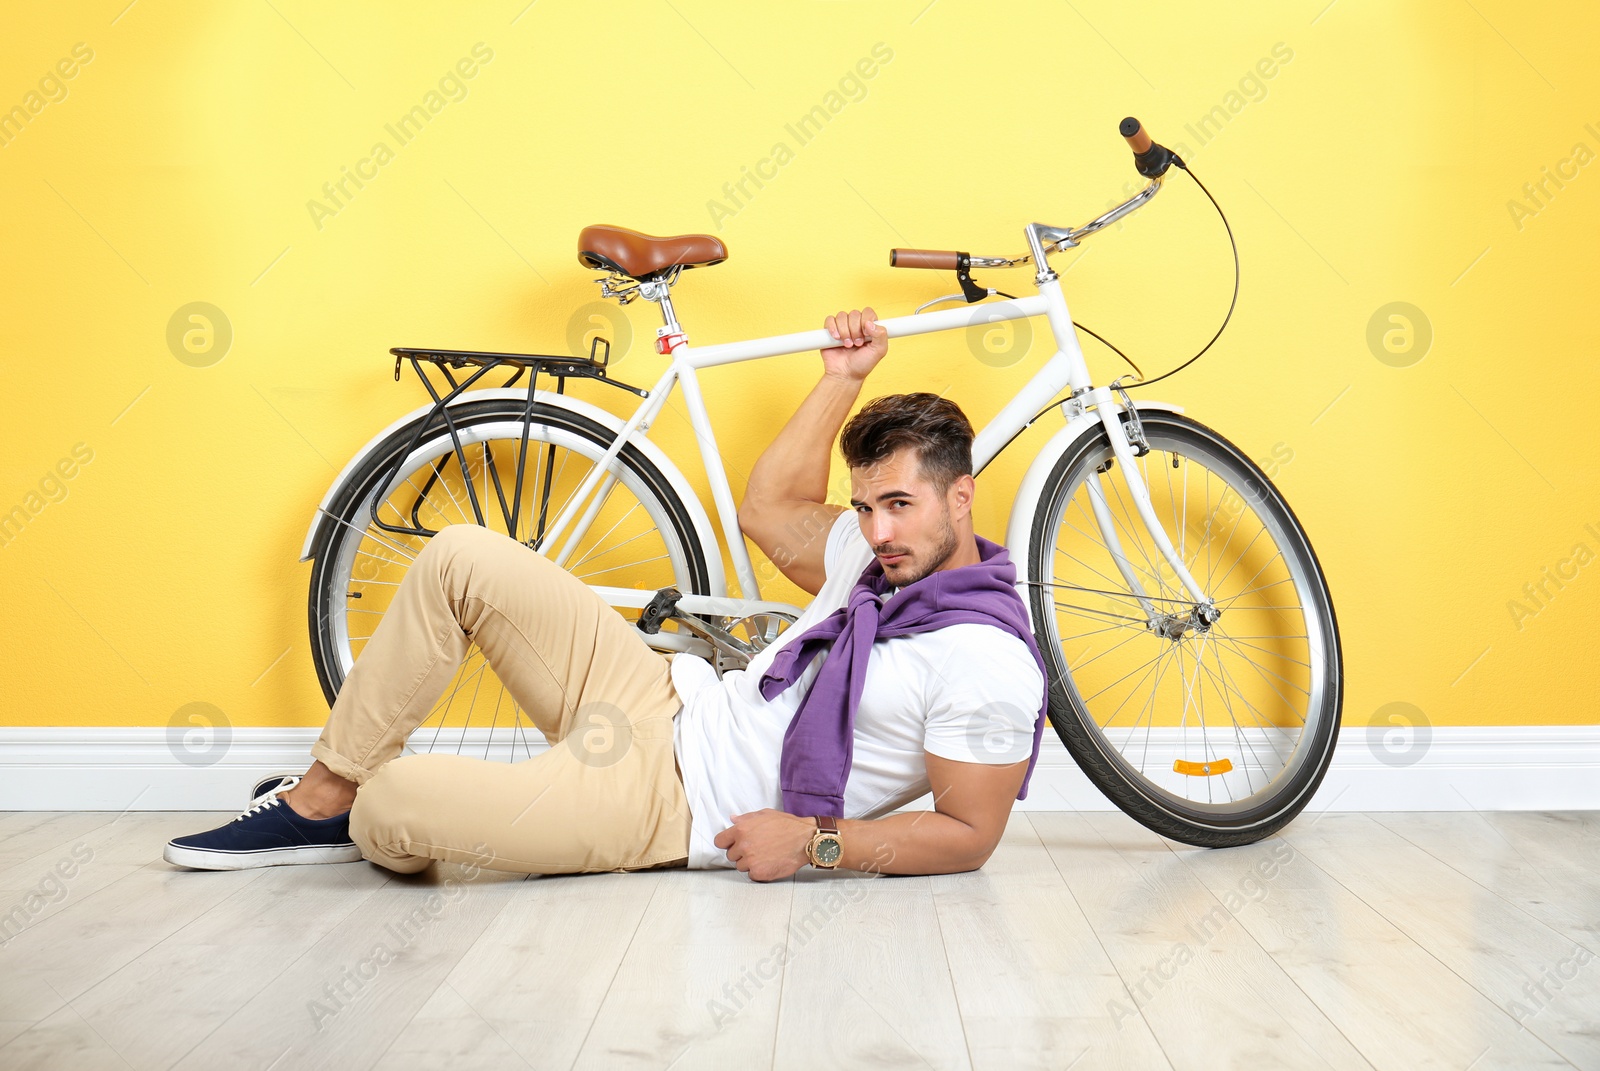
[461, 678]
[1111, 719]
[382, 558]
[1137, 533]
[614, 568]
[1235, 565]
[1086, 663]
[1119, 680]
[494, 721]
[1097, 540]
[461, 511]
[1114, 594]
[1238, 734]
[363, 532]
[593, 551]
[465, 725]
[1266, 723]
[1251, 591]
[1086, 565]
[1243, 509]
[1225, 684]
[1269, 653]
[1088, 610]
[1150, 708]
[1094, 632]
[1264, 673]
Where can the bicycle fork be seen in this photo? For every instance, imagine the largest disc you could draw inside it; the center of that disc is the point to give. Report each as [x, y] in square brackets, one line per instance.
[1162, 621]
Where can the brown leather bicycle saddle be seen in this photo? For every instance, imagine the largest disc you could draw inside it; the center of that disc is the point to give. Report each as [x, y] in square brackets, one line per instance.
[639, 255]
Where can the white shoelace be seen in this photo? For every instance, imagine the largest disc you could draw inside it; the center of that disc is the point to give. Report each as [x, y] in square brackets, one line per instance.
[267, 799]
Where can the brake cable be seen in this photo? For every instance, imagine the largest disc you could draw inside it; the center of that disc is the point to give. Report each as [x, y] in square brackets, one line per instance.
[1232, 303]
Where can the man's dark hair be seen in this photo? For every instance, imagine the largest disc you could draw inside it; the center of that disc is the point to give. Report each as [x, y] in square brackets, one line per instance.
[935, 426]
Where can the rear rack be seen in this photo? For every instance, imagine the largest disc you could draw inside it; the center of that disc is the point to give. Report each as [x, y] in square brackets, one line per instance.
[590, 367]
[560, 368]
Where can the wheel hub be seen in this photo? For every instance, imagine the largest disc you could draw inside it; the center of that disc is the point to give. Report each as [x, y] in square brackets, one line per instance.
[1175, 627]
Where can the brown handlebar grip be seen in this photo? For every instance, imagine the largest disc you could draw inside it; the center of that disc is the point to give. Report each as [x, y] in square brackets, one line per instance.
[1134, 131]
[944, 259]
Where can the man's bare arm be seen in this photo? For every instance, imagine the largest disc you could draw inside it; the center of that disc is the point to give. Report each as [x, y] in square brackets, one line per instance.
[785, 510]
[972, 801]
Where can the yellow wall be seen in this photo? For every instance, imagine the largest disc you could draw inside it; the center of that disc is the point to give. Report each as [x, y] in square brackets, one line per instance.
[1378, 164]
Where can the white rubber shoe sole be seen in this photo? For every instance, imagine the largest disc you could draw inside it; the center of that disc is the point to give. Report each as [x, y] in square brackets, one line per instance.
[207, 859]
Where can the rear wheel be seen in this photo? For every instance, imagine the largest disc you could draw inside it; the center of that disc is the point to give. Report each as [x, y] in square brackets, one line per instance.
[1210, 733]
[642, 537]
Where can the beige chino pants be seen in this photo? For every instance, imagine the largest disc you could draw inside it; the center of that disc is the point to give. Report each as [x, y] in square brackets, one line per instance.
[606, 796]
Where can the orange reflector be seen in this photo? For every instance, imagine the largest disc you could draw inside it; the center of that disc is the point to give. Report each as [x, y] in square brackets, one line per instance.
[1201, 769]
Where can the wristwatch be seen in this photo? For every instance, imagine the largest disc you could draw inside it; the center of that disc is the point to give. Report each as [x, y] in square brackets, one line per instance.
[825, 849]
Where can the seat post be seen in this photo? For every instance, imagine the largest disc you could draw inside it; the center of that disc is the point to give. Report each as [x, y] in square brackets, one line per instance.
[669, 315]
[659, 291]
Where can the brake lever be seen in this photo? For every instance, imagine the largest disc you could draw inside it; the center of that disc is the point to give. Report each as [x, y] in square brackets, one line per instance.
[971, 292]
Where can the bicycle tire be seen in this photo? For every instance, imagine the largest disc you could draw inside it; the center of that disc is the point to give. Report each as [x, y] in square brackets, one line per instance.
[350, 505]
[1136, 788]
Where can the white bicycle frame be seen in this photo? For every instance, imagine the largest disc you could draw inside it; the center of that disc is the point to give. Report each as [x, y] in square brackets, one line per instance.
[1066, 369]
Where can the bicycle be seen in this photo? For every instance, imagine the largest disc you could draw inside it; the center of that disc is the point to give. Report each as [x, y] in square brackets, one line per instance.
[1135, 530]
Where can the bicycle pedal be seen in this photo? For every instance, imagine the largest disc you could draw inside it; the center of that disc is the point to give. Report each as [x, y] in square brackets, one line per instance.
[663, 606]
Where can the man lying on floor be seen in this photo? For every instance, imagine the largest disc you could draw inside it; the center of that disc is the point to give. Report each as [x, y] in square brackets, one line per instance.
[913, 670]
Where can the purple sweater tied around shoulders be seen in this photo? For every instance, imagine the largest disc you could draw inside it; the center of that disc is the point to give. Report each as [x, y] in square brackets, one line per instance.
[819, 742]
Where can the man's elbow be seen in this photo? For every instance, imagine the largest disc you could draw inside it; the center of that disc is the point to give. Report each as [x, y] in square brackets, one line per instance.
[754, 515]
[969, 857]
[976, 860]
[965, 864]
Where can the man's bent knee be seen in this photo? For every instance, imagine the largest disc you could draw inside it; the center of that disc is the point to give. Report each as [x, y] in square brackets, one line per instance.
[452, 554]
[391, 813]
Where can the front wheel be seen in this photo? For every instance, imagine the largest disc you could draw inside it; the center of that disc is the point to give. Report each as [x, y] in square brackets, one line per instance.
[1210, 732]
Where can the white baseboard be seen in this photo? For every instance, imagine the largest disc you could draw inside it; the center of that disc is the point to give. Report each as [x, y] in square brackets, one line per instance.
[1534, 767]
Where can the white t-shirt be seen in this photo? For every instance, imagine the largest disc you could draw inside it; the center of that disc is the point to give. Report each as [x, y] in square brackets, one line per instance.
[966, 692]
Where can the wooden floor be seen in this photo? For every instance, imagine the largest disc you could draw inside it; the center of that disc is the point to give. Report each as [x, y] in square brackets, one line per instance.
[1451, 940]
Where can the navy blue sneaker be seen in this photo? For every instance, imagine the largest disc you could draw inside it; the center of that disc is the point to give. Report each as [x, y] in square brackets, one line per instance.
[269, 833]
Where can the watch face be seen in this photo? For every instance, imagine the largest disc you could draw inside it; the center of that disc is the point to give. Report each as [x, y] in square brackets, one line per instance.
[828, 851]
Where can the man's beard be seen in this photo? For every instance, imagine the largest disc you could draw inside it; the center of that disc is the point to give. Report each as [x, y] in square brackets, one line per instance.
[940, 554]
